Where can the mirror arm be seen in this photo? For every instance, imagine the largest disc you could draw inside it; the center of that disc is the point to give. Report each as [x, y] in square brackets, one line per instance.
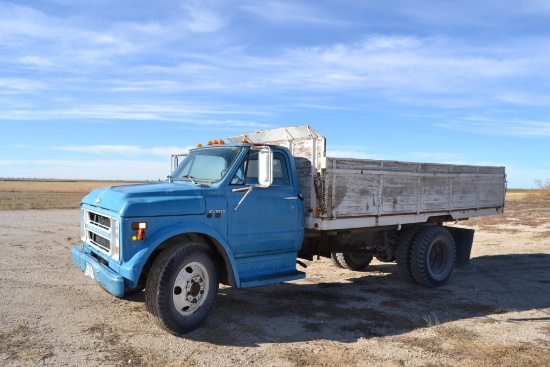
[248, 191]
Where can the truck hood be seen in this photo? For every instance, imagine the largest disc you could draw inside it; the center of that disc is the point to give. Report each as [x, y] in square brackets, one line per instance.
[145, 200]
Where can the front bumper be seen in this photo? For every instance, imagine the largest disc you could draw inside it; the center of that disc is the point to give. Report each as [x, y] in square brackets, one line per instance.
[107, 278]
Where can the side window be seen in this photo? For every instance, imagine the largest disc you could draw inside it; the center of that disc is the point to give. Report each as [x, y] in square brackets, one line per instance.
[247, 174]
[280, 170]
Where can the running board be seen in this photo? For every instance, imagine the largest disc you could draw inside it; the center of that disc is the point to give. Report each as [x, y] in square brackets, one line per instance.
[248, 282]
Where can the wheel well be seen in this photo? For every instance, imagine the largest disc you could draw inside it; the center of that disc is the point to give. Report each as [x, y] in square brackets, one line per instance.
[224, 267]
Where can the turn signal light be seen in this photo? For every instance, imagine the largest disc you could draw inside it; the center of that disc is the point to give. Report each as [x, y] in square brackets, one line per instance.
[140, 227]
[141, 234]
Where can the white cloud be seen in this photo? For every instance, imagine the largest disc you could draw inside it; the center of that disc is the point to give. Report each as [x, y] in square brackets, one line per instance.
[187, 52]
[191, 114]
[21, 85]
[517, 128]
[350, 153]
[201, 20]
[440, 157]
[127, 150]
[286, 12]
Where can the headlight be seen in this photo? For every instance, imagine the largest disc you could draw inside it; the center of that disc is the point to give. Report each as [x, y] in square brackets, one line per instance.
[83, 215]
[115, 241]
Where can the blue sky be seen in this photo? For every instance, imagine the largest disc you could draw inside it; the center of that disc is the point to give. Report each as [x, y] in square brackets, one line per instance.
[110, 89]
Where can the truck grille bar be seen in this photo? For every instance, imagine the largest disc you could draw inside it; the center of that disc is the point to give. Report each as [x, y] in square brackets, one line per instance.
[99, 241]
[100, 221]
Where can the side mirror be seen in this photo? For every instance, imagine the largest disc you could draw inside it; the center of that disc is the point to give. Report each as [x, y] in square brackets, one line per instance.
[265, 167]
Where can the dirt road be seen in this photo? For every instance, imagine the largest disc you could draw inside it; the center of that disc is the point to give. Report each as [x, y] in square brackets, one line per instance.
[496, 312]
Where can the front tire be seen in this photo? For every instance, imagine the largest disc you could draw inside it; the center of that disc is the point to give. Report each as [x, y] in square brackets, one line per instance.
[182, 287]
[433, 256]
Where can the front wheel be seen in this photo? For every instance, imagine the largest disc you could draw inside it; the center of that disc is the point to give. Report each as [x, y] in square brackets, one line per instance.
[433, 256]
[181, 288]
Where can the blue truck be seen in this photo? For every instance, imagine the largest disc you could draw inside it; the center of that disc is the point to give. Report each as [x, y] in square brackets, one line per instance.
[243, 214]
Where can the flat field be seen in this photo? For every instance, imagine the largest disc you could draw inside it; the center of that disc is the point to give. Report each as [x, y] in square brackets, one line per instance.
[52, 194]
[495, 313]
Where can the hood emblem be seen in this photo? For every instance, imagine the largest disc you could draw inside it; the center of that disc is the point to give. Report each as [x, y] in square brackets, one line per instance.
[97, 200]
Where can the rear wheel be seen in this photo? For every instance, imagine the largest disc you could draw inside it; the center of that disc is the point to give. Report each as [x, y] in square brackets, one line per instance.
[383, 256]
[433, 256]
[181, 288]
[334, 259]
[353, 261]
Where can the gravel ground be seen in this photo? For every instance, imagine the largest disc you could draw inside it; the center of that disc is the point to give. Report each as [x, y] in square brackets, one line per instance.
[496, 312]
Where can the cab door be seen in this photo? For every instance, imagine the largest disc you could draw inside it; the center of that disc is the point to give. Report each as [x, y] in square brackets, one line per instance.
[268, 219]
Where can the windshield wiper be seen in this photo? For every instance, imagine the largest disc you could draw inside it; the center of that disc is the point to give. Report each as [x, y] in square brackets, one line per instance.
[191, 178]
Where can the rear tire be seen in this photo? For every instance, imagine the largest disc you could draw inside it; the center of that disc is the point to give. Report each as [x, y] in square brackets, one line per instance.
[383, 256]
[334, 259]
[353, 261]
[403, 253]
[433, 256]
[182, 287]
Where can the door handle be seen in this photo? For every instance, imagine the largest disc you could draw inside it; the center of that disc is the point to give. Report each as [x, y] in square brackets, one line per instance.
[290, 198]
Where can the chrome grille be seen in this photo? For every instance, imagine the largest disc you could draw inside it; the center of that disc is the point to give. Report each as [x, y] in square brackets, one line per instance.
[101, 232]
[99, 241]
[100, 221]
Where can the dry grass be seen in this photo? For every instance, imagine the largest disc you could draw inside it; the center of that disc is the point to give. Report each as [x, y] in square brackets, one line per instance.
[119, 352]
[544, 187]
[464, 345]
[22, 344]
[56, 186]
[47, 194]
[526, 207]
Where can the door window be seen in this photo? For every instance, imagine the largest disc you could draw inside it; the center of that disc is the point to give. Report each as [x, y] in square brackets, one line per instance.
[247, 174]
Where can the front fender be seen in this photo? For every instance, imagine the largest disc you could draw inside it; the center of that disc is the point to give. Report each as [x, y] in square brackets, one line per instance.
[134, 266]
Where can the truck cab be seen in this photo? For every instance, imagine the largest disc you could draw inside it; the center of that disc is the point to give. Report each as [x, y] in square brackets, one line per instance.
[235, 209]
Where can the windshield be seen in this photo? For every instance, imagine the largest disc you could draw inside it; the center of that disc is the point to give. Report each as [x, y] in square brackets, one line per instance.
[206, 165]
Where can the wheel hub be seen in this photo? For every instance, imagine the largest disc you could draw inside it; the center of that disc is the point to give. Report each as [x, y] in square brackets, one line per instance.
[437, 258]
[190, 288]
[195, 289]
